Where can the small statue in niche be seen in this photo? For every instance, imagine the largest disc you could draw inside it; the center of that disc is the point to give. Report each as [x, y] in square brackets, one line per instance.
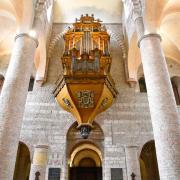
[133, 176]
[85, 131]
[67, 103]
[37, 174]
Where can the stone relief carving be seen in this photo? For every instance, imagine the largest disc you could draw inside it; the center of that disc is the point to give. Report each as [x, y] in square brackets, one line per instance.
[104, 102]
[67, 103]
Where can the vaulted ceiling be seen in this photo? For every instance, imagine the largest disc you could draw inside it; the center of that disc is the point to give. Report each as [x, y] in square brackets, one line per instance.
[163, 15]
[14, 17]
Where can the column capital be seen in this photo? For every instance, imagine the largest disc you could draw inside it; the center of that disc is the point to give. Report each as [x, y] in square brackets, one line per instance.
[137, 9]
[149, 35]
[27, 35]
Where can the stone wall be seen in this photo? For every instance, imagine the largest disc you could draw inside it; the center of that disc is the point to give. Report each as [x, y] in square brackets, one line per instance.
[126, 123]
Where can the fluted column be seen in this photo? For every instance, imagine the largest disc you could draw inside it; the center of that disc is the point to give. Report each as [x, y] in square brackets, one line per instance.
[12, 101]
[39, 164]
[161, 99]
[132, 162]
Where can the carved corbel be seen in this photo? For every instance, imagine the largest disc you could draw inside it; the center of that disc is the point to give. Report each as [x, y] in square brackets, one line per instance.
[137, 9]
[132, 82]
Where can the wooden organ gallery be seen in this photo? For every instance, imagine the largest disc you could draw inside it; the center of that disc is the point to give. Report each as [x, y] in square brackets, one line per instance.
[86, 88]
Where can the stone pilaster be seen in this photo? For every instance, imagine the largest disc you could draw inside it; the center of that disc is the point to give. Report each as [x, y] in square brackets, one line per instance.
[132, 162]
[12, 101]
[162, 103]
[39, 164]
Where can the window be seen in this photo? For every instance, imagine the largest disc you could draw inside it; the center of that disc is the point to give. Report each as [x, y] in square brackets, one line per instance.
[1, 81]
[175, 81]
[31, 84]
[142, 85]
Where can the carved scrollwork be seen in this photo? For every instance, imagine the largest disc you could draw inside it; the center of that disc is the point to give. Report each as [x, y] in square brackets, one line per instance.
[67, 103]
[85, 99]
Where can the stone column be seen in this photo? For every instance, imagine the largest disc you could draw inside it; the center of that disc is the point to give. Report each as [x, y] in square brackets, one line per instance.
[39, 164]
[132, 162]
[12, 101]
[161, 99]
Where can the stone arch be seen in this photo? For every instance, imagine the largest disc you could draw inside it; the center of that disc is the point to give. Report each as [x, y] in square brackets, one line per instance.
[21, 9]
[9, 7]
[175, 81]
[84, 154]
[74, 138]
[25, 14]
[173, 72]
[170, 49]
[152, 13]
[54, 41]
[83, 151]
[9, 20]
[148, 162]
[170, 15]
[117, 36]
[23, 162]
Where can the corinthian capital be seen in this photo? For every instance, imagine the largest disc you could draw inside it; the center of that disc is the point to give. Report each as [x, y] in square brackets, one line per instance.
[137, 9]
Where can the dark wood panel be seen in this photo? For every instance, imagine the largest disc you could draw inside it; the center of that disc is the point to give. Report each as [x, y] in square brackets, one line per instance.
[54, 174]
[86, 173]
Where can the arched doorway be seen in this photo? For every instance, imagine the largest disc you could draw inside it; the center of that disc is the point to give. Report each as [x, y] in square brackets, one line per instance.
[85, 156]
[23, 163]
[86, 163]
[148, 162]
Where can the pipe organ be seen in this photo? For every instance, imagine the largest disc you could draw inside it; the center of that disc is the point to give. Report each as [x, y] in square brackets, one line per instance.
[86, 88]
